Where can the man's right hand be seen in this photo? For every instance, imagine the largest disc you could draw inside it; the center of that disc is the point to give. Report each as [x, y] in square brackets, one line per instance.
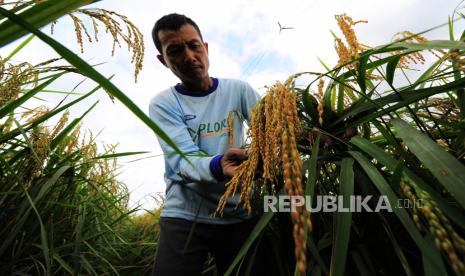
[231, 160]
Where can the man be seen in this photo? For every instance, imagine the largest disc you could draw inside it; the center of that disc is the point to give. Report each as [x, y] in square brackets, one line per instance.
[194, 114]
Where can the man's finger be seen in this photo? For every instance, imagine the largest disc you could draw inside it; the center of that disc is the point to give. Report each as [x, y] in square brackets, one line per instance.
[246, 152]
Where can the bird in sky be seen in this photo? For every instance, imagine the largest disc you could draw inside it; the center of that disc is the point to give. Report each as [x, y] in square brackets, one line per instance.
[284, 27]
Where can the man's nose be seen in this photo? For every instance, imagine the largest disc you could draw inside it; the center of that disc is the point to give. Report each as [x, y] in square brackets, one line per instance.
[189, 55]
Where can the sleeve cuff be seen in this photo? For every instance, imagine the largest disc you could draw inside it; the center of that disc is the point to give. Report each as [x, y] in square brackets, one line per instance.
[216, 169]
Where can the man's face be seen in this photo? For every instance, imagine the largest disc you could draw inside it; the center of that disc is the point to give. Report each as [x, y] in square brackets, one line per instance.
[184, 53]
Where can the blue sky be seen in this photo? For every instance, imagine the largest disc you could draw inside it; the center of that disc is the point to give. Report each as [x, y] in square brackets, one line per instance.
[242, 35]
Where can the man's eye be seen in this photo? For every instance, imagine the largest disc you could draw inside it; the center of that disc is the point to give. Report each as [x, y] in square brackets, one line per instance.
[194, 46]
[173, 51]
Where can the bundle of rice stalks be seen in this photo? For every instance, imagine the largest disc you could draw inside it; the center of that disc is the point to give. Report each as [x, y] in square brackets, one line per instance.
[274, 128]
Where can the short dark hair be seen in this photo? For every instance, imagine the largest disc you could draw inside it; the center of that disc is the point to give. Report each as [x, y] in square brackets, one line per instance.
[172, 22]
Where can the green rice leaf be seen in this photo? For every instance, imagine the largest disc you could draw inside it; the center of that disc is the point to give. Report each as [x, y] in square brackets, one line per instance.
[391, 68]
[312, 168]
[314, 250]
[383, 158]
[343, 220]
[428, 73]
[324, 65]
[340, 97]
[451, 28]
[361, 75]
[397, 247]
[17, 49]
[43, 236]
[38, 15]
[432, 44]
[446, 168]
[63, 264]
[78, 242]
[429, 268]
[310, 104]
[261, 224]
[384, 188]
[120, 154]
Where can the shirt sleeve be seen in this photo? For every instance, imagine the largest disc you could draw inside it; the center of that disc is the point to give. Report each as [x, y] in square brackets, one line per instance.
[248, 100]
[197, 166]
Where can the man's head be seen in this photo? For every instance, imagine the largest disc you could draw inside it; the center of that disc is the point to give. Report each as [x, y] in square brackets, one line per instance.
[182, 50]
[171, 22]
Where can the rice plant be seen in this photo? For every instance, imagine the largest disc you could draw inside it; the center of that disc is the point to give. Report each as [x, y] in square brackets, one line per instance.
[385, 123]
[63, 209]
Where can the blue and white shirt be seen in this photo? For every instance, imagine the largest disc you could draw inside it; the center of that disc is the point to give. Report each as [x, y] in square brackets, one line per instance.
[197, 124]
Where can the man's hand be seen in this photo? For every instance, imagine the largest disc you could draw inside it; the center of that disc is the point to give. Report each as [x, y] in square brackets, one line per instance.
[232, 158]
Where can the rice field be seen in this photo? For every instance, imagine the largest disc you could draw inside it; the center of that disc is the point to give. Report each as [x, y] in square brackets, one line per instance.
[385, 122]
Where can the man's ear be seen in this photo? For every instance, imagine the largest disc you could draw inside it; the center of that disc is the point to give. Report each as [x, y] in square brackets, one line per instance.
[162, 60]
[206, 46]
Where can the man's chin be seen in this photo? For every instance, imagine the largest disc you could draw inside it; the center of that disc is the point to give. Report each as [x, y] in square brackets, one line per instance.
[198, 78]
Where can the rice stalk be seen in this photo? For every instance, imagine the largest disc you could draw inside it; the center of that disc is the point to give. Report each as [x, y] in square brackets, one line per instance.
[131, 35]
[445, 237]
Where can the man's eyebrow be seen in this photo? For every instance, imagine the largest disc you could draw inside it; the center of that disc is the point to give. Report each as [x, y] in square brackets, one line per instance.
[173, 45]
[195, 40]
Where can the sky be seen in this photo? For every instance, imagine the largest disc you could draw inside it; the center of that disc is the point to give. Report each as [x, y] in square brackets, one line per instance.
[245, 42]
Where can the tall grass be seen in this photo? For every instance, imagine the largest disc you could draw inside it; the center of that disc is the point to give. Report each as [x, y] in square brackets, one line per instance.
[63, 209]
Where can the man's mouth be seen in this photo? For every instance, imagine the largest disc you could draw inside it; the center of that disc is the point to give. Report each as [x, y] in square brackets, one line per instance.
[195, 68]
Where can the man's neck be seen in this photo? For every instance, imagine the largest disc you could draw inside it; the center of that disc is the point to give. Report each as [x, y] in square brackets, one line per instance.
[202, 86]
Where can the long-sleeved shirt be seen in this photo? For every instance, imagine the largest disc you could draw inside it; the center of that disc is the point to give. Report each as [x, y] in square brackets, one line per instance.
[197, 124]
